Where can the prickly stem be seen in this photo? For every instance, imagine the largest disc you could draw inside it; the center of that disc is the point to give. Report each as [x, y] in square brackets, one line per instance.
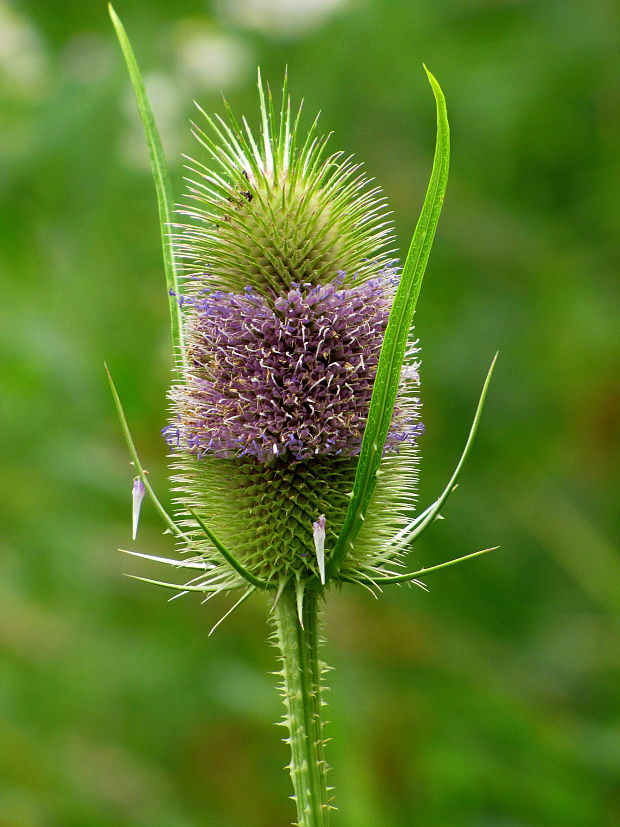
[301, 689]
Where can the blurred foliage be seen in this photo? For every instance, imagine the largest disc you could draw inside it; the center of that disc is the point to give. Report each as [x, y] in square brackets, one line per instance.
[494, 701]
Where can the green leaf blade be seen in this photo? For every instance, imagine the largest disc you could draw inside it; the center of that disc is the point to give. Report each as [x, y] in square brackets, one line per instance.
[133, 453]
[229, 557]
[395, 340]
[429, 515]
[178, 587]
[162, 188]
[411, 575]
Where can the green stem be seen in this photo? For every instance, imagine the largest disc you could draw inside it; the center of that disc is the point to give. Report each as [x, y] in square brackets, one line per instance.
[301, 689]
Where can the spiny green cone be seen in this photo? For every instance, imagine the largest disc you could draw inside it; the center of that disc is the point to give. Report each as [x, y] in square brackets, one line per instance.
[287, 292]
[271, 212]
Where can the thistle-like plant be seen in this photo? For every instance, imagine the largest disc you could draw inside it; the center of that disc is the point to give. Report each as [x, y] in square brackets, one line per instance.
[294, 414]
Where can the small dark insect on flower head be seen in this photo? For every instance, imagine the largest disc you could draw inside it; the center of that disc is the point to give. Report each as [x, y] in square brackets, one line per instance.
[289, 288]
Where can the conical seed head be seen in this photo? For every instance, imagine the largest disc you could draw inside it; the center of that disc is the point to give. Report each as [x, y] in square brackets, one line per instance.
[270, 212]
[288, 291]
[269, 236]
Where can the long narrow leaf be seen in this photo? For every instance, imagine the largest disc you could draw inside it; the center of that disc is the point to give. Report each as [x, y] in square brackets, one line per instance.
[138, 465]
[411, 575]
[421, 523]
[229, 557]
[396, 336]
[179, 587]
[162, 187]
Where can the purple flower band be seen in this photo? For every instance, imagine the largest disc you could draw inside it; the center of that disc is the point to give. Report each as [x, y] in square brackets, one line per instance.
[288, 377]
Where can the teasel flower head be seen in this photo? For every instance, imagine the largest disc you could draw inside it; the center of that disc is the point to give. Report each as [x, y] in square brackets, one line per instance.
[295, 411]
[289, 282]
[294, 415]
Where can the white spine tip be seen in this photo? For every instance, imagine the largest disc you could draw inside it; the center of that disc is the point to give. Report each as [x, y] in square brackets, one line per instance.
[137, 495]
[319, 545]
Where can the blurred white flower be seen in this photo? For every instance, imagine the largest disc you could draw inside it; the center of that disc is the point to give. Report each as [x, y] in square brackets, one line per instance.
[87, 57]
[288, 18]
[210, 59]
[24, 64]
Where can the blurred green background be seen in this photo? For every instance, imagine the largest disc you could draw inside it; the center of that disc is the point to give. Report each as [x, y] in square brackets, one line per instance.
[493, 701]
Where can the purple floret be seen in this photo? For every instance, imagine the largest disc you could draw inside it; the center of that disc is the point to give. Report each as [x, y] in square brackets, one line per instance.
[289, 377]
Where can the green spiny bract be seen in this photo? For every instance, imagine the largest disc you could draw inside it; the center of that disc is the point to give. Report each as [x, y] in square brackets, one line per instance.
[288, 287]
[277, 211]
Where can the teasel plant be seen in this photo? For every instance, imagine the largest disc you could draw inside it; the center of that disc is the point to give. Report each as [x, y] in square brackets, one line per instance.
[294, 409]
